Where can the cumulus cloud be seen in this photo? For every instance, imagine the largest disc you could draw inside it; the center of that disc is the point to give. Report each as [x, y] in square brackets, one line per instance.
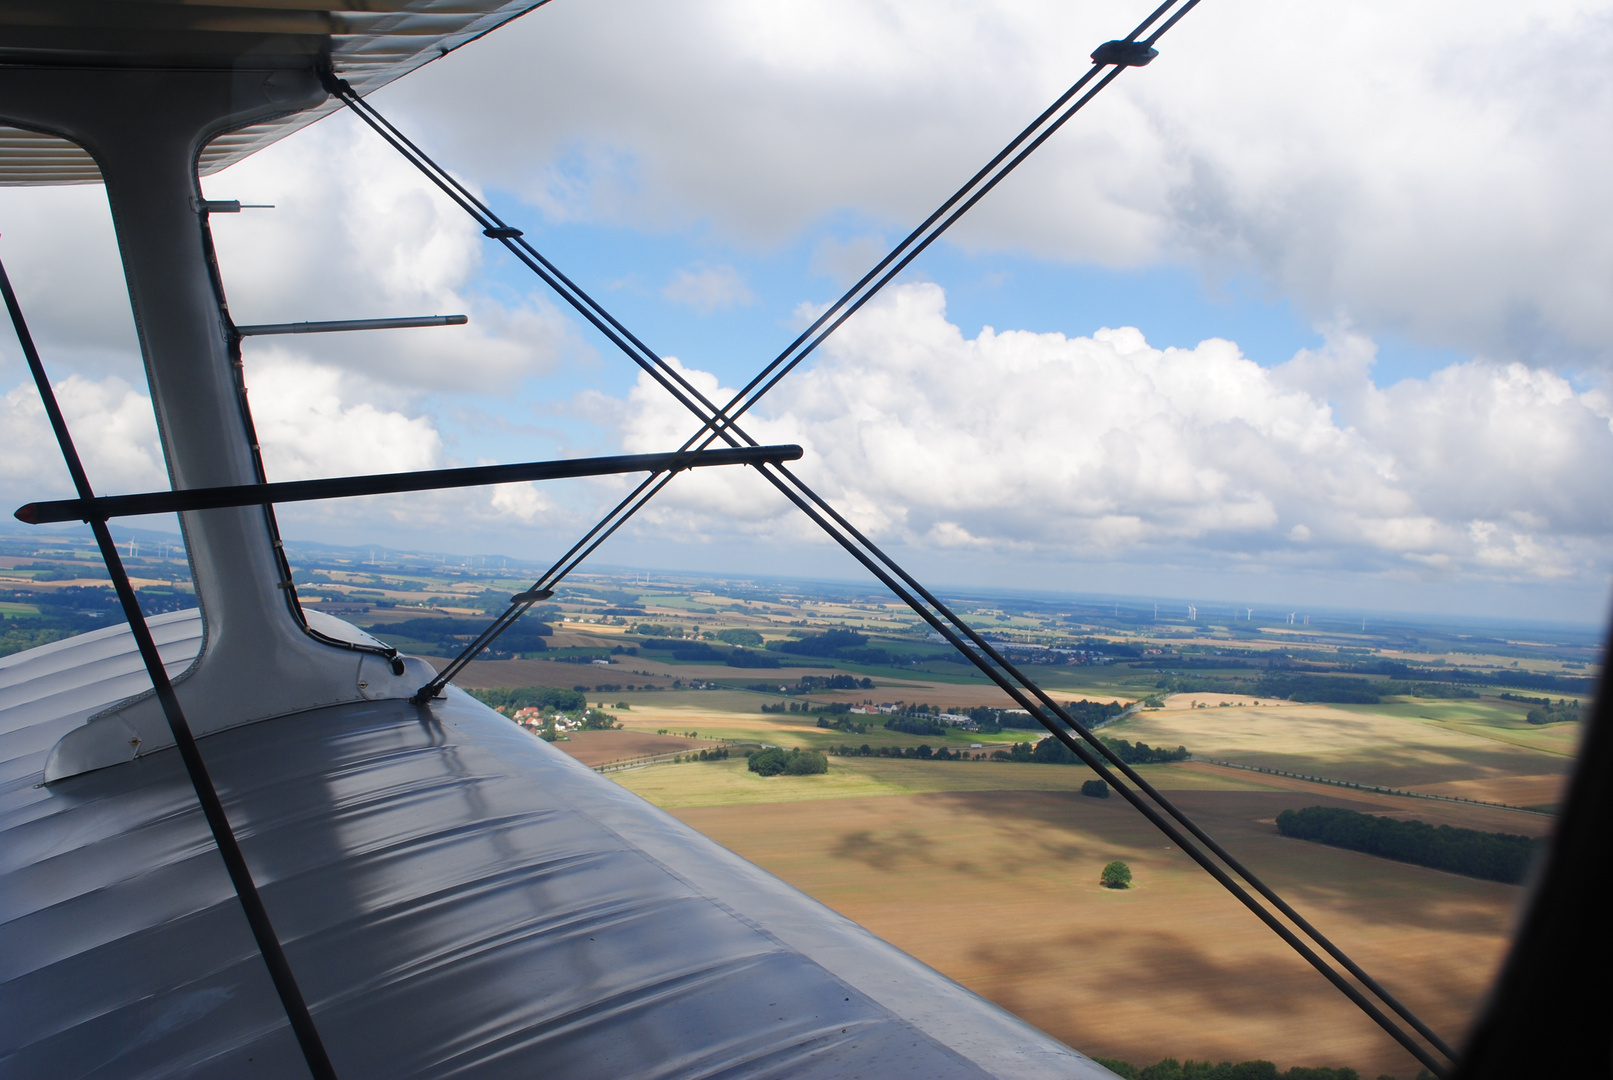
[1428, 170]
[309, 428]
[708, 288]
[62, 258]
[1105, 448]
[112, 426]
[357, 233]
[312, 421]
[524, 502]
[315, 421]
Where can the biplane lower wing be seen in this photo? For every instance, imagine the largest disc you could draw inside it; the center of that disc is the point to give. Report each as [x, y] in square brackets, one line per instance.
[456, 896]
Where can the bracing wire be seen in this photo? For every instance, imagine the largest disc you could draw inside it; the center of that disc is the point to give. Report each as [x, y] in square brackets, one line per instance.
[721, 423]
[229, 848]
[1035, 134]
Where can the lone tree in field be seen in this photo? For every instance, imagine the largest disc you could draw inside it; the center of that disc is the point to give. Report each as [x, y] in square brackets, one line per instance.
[1117, 875]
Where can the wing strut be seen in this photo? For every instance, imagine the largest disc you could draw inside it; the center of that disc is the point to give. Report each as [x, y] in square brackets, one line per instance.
[347, 487]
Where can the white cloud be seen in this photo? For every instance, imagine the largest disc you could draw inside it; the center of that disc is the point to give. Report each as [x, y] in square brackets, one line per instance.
[308, 428]
[1106, 448]
[708, 288]
[357, 233]
[522, 501]
[317, 421]
[62, 258]
[1429, 170]
[112, 426]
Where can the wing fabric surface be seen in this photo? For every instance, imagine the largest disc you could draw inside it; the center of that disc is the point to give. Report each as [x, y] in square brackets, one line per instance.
[457, 897]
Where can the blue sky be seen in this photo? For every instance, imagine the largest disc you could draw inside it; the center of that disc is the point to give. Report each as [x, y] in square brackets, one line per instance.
[1408, 254]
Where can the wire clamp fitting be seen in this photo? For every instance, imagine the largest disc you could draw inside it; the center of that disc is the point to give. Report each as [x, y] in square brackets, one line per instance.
[1124, 54]
[531, 596]
[504, 233]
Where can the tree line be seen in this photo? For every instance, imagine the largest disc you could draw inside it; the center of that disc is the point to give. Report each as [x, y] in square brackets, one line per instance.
[916, 725]
[1051, 751]
[1047, 752]
[1500, 857]
[922, 752]
[1088, 713]
[719, 753]
[1353, 690]
[1171, 1069]
[447, 634]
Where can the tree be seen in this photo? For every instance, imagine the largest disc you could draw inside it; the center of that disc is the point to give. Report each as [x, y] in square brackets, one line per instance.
[1097, 789]
[806, 763]
[775, 761]
[1117, 875]
[769, 762]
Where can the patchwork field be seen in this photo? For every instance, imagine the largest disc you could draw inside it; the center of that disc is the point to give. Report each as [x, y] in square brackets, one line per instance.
[998, 887]
[989, 870]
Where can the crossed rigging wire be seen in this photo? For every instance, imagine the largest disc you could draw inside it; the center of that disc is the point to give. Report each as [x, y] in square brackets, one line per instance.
[722, 423]
[1113, 56]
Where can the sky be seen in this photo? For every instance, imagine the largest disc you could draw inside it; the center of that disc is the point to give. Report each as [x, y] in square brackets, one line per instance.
[1312, 310]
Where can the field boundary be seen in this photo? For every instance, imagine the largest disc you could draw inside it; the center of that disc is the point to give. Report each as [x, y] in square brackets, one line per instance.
[662, 759]
[639, 762]
[1371, 787]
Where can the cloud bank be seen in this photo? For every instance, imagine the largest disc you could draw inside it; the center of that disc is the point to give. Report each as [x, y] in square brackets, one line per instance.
[1428, 173]
[1106, 448]
[1427, 170]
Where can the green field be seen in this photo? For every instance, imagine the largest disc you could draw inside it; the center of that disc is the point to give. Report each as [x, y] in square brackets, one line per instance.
[728, 783]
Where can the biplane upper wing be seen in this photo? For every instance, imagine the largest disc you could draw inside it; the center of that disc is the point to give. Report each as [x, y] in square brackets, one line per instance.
[367, 42]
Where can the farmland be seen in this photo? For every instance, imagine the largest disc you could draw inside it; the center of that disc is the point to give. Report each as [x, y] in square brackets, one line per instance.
[988, 869]
[989, 872]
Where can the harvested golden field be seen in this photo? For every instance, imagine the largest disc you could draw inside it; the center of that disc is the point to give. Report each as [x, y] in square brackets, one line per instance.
[1483, 818]
[1544, 790]
[1361, 744]
[970, 868]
